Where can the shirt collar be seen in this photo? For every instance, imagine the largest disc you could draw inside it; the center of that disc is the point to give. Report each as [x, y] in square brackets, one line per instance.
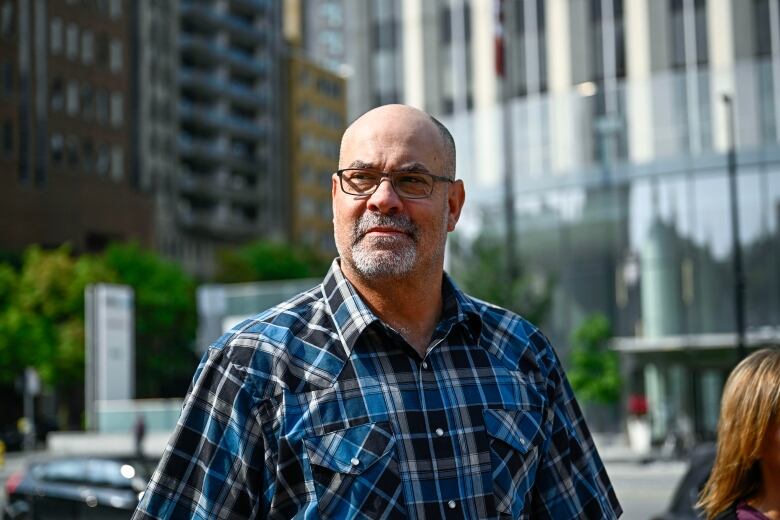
[352, 316]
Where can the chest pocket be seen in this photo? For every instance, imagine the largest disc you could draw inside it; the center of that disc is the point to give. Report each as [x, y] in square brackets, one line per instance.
[514, 437]
[356, 472]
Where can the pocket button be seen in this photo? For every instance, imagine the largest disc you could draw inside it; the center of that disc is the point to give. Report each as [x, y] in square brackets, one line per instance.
[439, 432]
[451, 504]
[355, 462]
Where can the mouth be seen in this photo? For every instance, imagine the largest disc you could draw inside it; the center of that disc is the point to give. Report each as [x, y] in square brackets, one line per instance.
[385, 231]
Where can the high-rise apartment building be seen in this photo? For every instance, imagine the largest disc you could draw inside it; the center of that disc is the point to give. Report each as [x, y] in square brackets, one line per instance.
[230, 115]
[67, 171]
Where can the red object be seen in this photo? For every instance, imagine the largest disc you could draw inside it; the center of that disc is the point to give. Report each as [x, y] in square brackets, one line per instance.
[13, 482]
[637, 405]
[498, 11]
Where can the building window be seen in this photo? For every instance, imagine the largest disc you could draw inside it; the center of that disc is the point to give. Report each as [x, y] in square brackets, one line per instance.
[762, 27]
[87, 155]
[72, 152]
[117, 163]
[72, 42]
[87, 47]
[117, 109]
[7, 19]
[115, 9]
[55, 148]
[445, 25]
[87, 101]
[55, 36]
[8, 78]
[115, 58]
[8, 138]
[101, 106]
[72, 98]
[679, 52]
[103, 160]
[57, 96]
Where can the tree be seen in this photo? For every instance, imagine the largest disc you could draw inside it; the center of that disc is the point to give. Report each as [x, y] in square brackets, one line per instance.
[165, 319]
[42, 315]
[595, 370]
[264, 260]
[480, 268]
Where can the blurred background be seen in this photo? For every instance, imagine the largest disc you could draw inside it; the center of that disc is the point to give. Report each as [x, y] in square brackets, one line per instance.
[621, 161]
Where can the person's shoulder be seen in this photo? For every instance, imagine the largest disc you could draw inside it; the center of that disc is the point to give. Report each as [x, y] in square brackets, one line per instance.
[292, 333]
[511, 337]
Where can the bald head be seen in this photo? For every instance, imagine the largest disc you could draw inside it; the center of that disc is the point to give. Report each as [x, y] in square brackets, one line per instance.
[407, 122]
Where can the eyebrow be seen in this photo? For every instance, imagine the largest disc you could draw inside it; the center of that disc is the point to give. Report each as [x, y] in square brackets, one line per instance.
[410, 167]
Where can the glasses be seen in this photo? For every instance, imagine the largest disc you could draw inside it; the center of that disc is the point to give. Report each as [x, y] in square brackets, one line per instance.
[408, 185]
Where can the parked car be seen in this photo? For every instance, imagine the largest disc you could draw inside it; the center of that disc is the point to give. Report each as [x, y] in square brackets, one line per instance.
[77, 487]
[687, 492]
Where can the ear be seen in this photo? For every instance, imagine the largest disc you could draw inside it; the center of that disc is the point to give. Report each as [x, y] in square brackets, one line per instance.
[334, 185]
[455, 200]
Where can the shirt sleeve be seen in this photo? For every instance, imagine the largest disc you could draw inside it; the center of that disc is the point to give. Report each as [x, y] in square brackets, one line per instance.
[571, 480]
[213, 464]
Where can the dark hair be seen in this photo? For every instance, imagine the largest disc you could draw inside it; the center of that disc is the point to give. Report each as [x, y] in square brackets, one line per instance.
[449, 147]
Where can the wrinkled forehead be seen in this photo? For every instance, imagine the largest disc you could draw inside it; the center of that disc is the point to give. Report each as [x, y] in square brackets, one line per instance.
[382, 137]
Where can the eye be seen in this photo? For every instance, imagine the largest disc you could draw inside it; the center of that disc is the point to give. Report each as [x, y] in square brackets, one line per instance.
[361, 175]
[413, 178]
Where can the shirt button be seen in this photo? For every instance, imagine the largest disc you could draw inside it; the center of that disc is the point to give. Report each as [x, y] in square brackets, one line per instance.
[355, 462]
[451, 504]
[425, 365]
[439, 432]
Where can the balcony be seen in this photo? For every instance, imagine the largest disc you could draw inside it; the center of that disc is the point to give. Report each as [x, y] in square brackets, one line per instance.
[213, 222]
[211, 186]
[210, 117]
[205, 47]
[206, 82]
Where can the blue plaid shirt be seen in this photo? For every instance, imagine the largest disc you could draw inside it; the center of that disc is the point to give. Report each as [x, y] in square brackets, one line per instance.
[317, 409]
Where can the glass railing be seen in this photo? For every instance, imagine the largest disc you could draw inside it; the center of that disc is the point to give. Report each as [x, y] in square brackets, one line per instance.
[212, 116]
[191, 76]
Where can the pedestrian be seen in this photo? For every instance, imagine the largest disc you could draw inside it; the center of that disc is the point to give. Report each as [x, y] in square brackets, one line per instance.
[385, 391]
[139, 432]
[745, 480]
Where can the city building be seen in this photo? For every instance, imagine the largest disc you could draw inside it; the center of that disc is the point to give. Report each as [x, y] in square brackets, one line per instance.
[67, 171]
[609, 125]
[316, 121]
[316, 118]
[231, 185]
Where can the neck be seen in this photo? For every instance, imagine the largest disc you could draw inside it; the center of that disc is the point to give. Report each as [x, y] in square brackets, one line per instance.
[768, 498]
[410, 304]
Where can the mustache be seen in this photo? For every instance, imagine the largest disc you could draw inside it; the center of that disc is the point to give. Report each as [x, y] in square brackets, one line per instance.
[398, 222]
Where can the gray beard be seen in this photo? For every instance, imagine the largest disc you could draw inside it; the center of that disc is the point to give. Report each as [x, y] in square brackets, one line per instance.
[384, 257]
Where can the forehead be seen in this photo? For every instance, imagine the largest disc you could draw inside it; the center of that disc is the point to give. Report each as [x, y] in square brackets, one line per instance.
[386, 141]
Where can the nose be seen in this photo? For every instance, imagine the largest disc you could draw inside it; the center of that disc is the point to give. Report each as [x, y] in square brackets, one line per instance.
[385, 200]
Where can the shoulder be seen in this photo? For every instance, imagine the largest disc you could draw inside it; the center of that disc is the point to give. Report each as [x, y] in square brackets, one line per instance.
[728, 514]
[513, 339]
[286, 346]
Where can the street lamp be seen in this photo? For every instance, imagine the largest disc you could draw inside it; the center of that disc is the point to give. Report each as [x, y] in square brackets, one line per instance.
[739, 278]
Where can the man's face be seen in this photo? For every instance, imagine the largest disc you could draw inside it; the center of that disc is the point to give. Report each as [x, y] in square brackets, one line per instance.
[383, 236]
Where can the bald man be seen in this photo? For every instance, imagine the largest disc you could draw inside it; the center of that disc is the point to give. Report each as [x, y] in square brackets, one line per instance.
[385, 391]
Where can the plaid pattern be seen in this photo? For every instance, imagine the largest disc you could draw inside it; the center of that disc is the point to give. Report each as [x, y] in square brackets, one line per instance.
[316, 409]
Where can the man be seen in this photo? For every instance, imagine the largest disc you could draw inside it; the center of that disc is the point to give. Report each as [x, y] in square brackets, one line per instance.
[385, 392]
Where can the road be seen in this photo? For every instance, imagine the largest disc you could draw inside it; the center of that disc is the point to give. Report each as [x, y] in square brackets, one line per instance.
[644, 489]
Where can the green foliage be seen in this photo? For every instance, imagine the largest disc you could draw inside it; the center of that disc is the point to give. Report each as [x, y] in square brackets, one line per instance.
[263, 260]
[165, 319]
[480, 269]
[42, 317]
[595, 371]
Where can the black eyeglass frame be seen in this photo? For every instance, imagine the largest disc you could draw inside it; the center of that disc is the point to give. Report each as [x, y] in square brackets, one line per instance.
[391, 176]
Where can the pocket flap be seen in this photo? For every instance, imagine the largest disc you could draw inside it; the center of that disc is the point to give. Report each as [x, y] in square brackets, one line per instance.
[518, 428]
[353, 450]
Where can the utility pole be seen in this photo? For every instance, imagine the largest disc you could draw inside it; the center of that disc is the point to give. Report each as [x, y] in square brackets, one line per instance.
[736, 243]
[503, 64]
